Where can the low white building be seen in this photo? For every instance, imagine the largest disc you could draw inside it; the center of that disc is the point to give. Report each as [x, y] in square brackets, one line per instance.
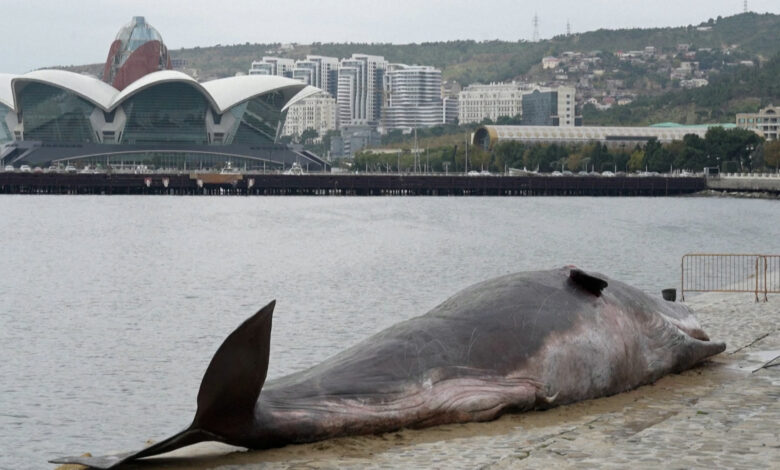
[550, 62]
[477, 102]
[764, 123]
[488, 137]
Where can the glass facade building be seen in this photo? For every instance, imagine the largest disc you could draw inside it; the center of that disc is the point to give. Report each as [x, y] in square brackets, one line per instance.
[167, 113]
[5, 134]
[166, 118]
[137, 51]
[53, 115]
[540, 108]
[145, 113]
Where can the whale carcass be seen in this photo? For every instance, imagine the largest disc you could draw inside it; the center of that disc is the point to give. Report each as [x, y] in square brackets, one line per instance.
[524, 341]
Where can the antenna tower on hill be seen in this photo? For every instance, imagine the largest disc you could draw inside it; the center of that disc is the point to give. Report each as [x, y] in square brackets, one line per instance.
[536, 28]
[568, 28]
[745, 7]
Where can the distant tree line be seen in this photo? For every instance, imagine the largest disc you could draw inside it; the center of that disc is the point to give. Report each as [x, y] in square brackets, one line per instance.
[730, 150]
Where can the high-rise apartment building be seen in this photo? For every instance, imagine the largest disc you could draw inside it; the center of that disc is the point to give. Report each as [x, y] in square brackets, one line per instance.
[347, 95]
[412, 97]
[327, 73]
[318, 71]
[273, 66]
[356, 83]
[305, 71]
[360, 89]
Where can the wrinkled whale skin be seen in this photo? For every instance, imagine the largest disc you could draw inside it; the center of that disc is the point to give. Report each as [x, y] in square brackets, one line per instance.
[530, 340]
[519, 342]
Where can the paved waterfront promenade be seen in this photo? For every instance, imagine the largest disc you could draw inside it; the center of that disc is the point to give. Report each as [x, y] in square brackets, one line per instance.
[724, 414]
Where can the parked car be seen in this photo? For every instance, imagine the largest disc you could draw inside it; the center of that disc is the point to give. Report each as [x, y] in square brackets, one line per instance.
[607, 173]
[25, 169]
[70, 169]
[9, 168]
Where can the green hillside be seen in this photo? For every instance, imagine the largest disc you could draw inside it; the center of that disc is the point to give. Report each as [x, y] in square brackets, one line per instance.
[742, 89]
[468, 61]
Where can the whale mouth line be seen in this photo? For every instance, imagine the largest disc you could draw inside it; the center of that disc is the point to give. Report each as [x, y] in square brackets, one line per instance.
[695, 333]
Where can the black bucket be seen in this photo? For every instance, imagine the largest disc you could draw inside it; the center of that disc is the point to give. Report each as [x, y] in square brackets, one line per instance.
[669, 294]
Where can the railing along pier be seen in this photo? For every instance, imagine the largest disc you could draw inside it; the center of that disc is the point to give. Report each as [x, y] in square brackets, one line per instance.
[705, 272]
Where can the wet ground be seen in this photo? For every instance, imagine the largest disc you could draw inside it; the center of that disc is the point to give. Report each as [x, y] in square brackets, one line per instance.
[722, 414]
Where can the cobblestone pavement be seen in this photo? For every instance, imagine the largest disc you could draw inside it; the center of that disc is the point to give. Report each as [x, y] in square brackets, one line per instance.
[723, 414]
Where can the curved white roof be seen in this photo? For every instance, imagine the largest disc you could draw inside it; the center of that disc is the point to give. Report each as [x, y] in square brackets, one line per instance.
[6, 93]
[305, 93]
[222, 94]
[228, 92]
[90, 88]
[156, 78]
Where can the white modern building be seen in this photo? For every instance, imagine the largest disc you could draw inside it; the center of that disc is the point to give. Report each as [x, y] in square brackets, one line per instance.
[477, 102]
[318, 71]
[326, 74]
[359, 91]
[273, 66]
[316, 112]
[347, 93]
[305, 71]
[412, 97]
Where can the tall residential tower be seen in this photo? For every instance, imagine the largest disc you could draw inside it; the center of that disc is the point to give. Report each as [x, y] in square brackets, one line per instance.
[412, 97]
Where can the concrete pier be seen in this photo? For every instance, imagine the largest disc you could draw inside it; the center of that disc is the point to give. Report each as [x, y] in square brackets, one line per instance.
[327, 184]
[747, 182]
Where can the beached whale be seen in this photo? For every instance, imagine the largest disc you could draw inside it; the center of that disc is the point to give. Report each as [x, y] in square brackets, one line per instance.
[524, 341]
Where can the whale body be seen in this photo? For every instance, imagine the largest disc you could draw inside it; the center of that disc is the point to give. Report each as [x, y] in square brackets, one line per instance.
[524, 341]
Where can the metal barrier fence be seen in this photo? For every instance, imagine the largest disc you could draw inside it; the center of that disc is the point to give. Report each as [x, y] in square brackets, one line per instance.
[759, 274]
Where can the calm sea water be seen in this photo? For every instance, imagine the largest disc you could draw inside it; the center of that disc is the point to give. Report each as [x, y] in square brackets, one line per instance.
[111, 307]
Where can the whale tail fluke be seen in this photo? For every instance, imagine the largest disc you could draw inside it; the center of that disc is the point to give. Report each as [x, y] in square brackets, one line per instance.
[227, 396]
[177, 441]
[235, 376]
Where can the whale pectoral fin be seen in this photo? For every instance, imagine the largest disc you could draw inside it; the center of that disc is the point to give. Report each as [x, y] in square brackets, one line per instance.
[235, 376]
[590, 283]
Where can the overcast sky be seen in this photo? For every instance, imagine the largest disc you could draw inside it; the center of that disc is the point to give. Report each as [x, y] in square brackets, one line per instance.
[41, 33]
